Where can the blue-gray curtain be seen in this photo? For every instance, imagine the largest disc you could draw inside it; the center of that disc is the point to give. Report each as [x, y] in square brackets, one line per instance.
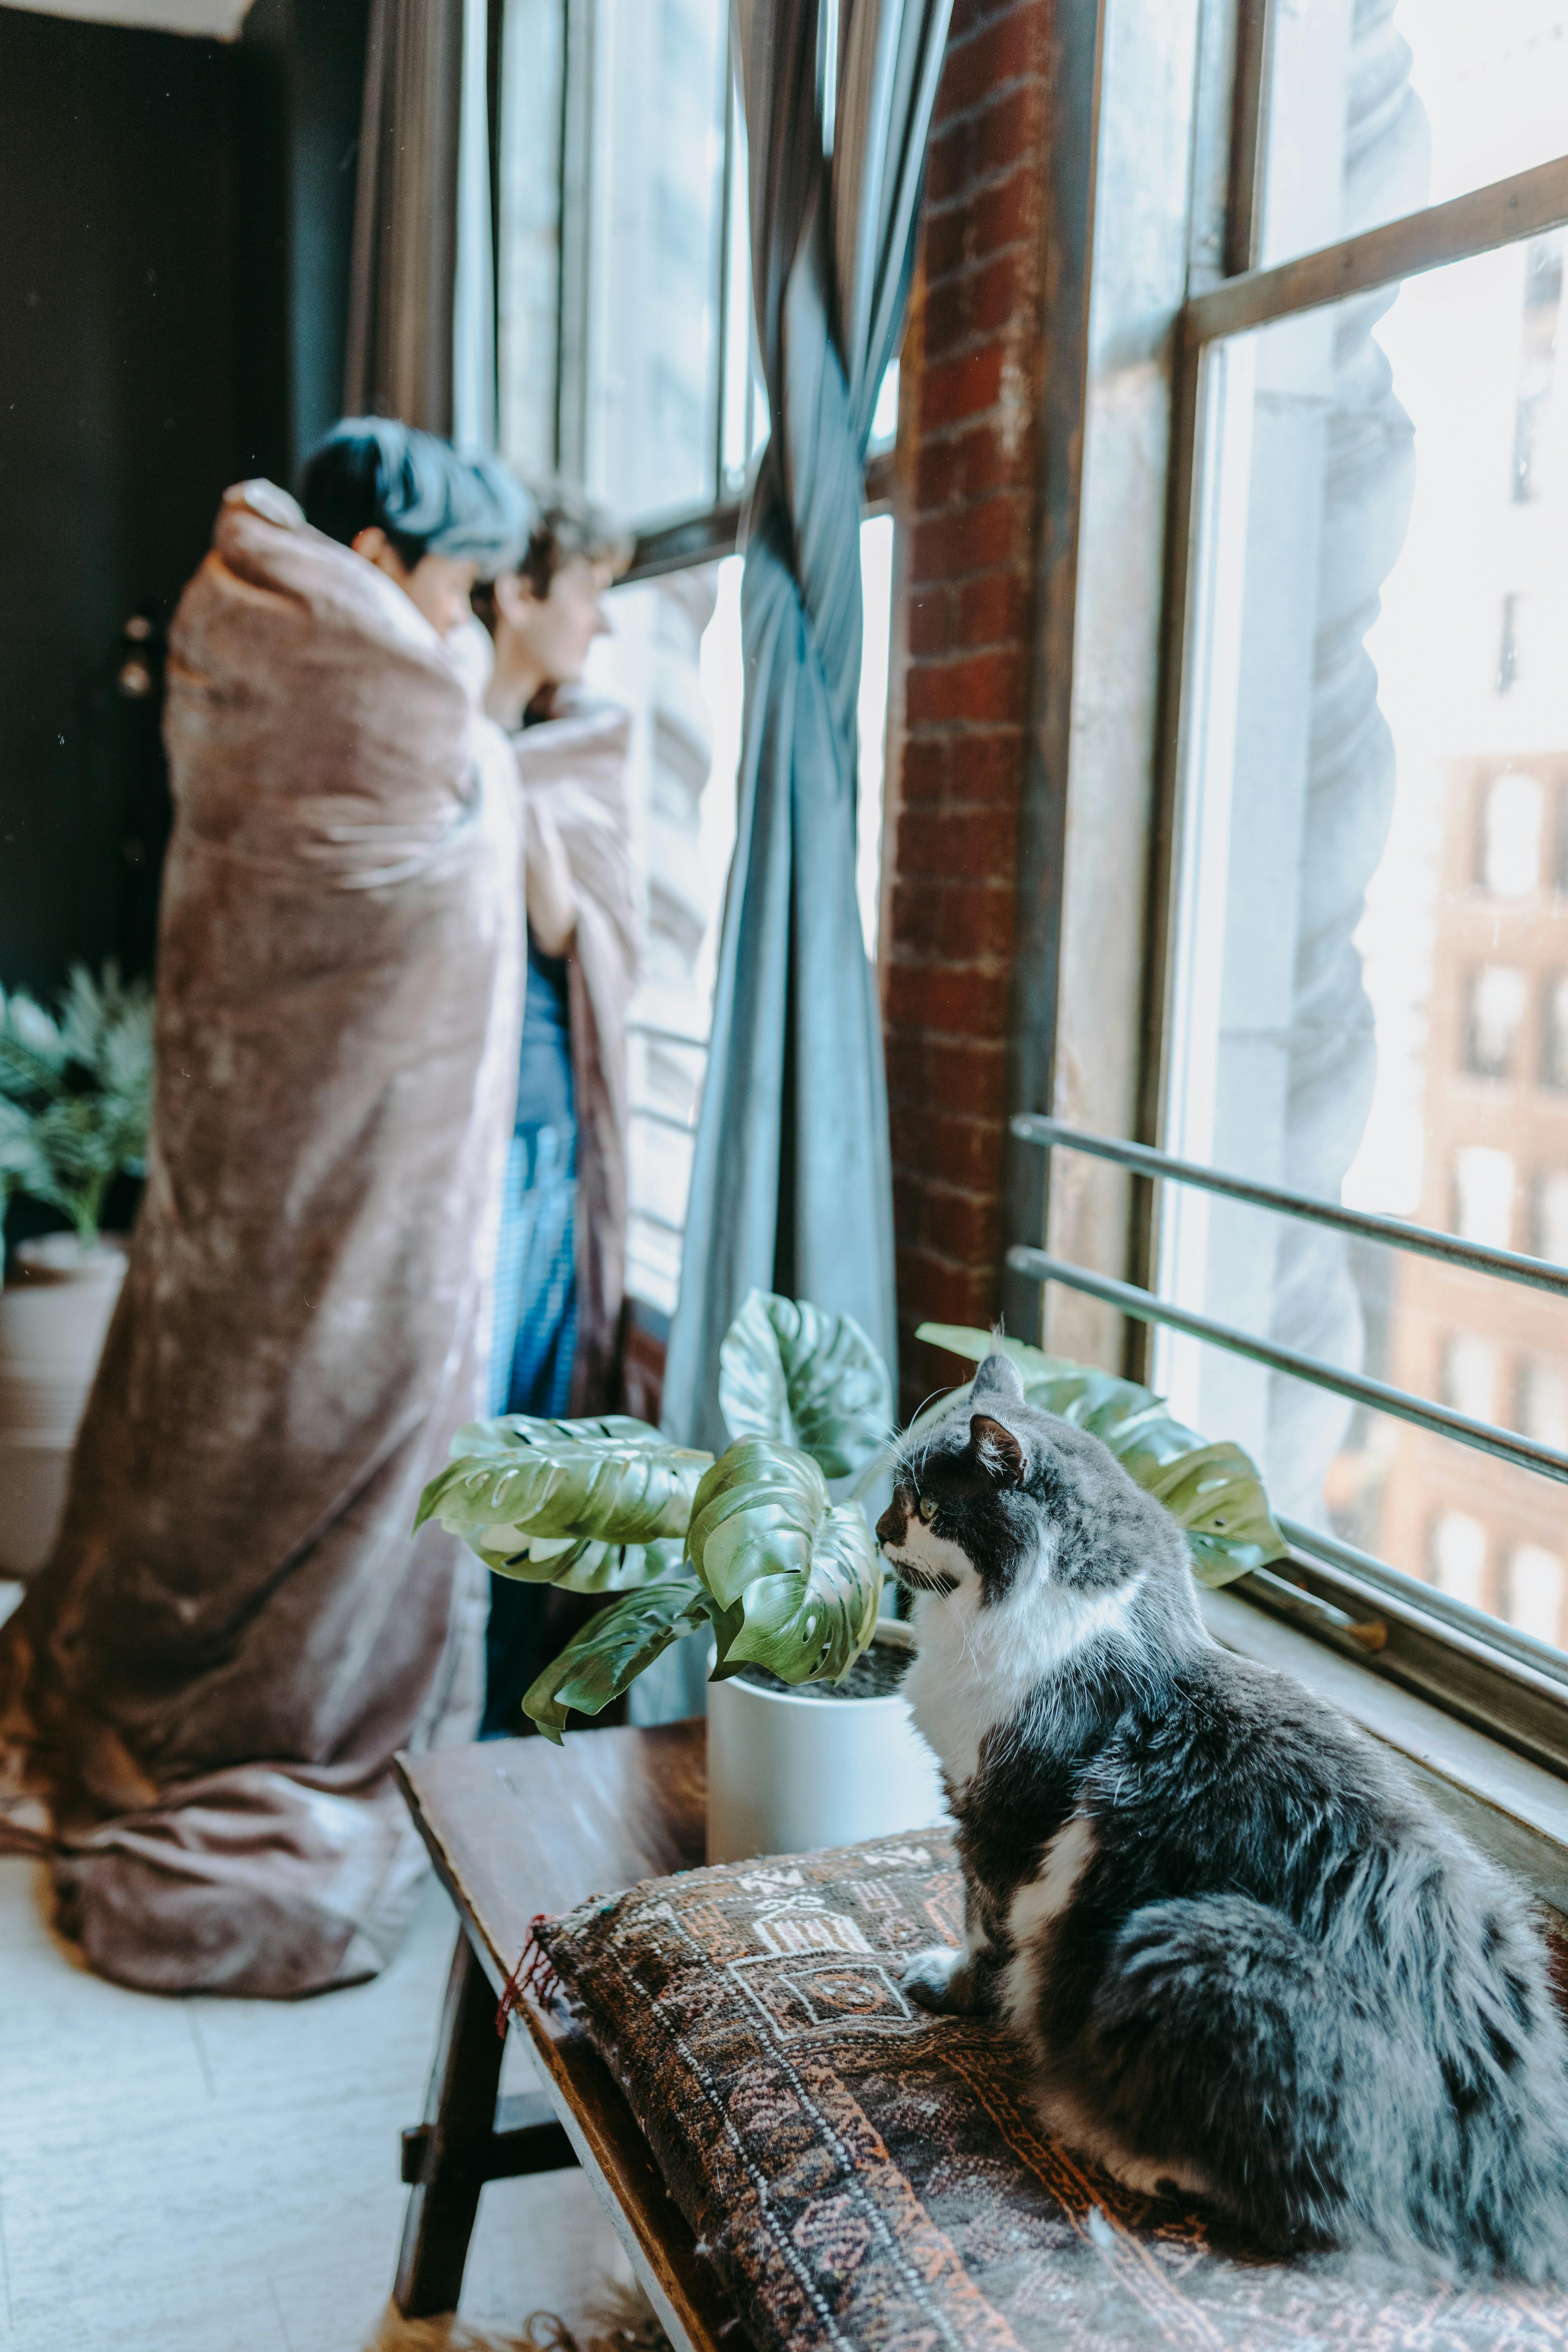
[791, 1187]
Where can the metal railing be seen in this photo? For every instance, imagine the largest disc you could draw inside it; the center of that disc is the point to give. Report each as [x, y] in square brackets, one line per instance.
[652, 1115]
[1440, 1419]
[1505, 1680]
[1422, 1241]
[1378, 1396]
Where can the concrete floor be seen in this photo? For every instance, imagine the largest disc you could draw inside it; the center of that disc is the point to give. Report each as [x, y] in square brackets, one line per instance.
[221, 2175]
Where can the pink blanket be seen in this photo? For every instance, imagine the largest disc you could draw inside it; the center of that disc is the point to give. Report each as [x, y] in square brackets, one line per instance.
[236, 1633]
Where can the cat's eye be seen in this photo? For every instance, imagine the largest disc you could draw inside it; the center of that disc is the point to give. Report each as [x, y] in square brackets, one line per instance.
[927, 1509]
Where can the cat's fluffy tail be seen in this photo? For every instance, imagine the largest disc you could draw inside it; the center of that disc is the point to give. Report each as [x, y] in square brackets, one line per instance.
[1228, 2041]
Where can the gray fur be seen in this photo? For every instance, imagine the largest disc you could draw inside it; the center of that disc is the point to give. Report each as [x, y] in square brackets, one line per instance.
[1275, 1973]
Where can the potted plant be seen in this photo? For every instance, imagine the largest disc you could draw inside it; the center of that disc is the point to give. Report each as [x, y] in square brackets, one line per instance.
[75, 1097]
[769, 1550]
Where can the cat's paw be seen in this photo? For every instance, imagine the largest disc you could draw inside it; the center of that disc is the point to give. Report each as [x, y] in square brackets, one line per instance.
[928, 1976]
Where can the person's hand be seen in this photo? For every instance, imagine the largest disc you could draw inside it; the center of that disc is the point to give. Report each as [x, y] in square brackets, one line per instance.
[552, 899]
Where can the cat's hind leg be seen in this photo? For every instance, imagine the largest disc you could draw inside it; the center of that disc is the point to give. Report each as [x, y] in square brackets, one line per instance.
[1215, 2053]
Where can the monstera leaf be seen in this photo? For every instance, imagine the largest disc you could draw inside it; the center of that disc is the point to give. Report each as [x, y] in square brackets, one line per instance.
[581, 1567]
[794, 1578]
[1213, 1491]
[612, 1650]
[791, 1374]
[595, 1506]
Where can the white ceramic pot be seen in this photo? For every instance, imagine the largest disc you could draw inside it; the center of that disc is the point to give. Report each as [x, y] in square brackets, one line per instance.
[54, 1316]
[789, 1771]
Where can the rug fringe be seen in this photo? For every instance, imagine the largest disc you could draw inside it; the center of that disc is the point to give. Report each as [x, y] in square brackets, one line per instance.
[533, 1974]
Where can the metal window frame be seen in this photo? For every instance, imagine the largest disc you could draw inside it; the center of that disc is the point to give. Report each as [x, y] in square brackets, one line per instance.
[716, 528]
[1475, 1667]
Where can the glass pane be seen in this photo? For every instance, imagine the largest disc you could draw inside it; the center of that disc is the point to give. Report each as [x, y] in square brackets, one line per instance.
[745, 395]
[655, 216]
[528, 249]
[1371, 980]
[1376, 109]
[673, 660]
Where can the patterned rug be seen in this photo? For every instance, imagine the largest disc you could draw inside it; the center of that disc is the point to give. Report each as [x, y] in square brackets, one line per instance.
[867, 2177]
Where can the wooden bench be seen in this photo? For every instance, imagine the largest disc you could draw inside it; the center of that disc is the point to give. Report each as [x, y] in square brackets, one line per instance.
[517, 1827]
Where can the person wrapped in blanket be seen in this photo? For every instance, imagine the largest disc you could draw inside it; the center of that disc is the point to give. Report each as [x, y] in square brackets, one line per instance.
[560, 1266]
[202, 1695]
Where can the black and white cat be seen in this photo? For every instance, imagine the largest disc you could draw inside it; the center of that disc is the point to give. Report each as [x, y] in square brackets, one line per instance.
[1249, 1962]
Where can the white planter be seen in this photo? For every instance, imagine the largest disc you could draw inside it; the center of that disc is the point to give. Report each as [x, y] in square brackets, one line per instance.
[789, 1771]
[54, 1316]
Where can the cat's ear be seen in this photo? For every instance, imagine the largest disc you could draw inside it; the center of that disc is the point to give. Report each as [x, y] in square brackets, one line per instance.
[996, 1450]
[998, 1377]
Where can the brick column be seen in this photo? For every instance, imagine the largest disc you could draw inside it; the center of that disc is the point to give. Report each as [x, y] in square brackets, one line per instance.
[970, 462]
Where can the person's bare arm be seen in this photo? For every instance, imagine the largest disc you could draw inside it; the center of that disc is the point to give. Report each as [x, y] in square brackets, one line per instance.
[552, 899]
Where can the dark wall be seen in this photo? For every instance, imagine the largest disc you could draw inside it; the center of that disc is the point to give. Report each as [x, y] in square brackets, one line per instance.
[300, 66]
[117, 433]
[175, 223]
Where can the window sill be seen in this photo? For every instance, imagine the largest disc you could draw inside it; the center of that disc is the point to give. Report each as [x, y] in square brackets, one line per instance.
[1515, 1811]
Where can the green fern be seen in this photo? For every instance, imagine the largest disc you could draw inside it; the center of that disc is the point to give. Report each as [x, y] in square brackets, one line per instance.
[76, 1092]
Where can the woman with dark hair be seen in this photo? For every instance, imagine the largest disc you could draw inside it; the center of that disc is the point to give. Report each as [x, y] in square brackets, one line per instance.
[207, 1683]
[433, 521]
[560, 1266]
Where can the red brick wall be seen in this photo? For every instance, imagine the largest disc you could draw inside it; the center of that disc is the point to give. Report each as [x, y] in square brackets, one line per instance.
[969, 458]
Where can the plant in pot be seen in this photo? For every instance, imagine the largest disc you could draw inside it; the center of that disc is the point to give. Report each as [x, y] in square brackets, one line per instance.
[769, 1550]
[75, 1100]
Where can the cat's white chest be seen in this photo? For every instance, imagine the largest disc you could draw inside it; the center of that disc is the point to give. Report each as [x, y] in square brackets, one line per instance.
[977, 1666]
[955, 1691]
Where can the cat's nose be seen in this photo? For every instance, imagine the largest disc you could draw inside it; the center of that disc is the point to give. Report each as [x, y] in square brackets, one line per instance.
[891, 1525]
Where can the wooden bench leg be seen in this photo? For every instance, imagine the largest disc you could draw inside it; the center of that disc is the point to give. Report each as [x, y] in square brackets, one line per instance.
[464, 2141]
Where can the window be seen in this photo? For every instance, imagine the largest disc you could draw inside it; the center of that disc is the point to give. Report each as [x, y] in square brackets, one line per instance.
[1510, 836]
[1549, 1238]
[1483, 1195]
[1498, 995]
[1459, 1557]
[623, 348]
[1533, 1600]
[626, 357]
[627, 347]
[1470, 1376]
[1554, 1034]
[1360, 900]
[1543, 1403]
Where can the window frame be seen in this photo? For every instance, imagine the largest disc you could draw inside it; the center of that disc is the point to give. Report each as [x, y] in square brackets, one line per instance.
[664, 542]
[708, 529]
[1473, 1666]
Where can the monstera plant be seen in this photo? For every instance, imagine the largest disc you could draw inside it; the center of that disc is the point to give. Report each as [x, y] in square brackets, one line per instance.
[770, 1547]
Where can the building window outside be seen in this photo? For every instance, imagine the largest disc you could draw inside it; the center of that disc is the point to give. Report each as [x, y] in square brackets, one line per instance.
[1497, 996]
[1459, 1557]
[1543, 1402]
[1470, 1376]
[1549, 1236]
[1483, 1195]
[1511, 837]
[1554, 1034]
[1533, 1592]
